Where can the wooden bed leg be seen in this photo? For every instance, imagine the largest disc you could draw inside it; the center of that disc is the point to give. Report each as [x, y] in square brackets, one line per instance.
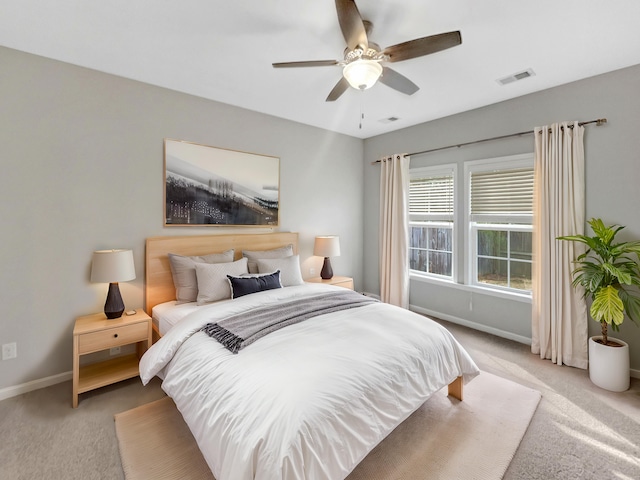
[455, 388]
[155, 334]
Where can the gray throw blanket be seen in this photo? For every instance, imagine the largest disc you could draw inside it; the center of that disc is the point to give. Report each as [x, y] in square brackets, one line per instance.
[238, 331]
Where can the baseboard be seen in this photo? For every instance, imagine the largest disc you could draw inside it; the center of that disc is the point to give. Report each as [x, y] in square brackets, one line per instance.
[35, 385]
[466, 323]
[63, 377]
[483, 328]
[476, 326]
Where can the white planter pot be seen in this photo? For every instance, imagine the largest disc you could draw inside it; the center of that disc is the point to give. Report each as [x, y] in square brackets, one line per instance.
[609, 366]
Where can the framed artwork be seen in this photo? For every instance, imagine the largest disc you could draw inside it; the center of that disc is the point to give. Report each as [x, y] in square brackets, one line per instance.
[206, 186]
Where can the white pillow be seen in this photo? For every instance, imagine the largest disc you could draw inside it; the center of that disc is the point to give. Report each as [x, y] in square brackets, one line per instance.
[289, 267]
[254, 255]
[213, 284]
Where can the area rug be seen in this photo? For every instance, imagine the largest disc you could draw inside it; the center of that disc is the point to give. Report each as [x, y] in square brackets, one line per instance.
[444, 439]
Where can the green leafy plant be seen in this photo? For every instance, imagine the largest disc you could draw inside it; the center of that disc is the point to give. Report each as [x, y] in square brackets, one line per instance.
[609, 275]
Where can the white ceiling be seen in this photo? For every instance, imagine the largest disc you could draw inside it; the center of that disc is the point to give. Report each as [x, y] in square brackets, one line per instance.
[223, 50]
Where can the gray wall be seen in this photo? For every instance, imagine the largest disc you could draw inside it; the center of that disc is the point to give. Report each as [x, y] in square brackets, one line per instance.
[612, 175]
[81, 153]
[82, 169]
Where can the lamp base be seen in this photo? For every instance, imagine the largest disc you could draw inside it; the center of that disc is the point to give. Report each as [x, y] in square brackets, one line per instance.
[114, 306]
[327, 271]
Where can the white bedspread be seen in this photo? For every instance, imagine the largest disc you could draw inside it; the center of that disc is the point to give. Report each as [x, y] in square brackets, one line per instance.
[310, 400]
[167, 315]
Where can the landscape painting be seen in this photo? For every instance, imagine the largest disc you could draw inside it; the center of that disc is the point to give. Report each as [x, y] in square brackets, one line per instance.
[214, 186]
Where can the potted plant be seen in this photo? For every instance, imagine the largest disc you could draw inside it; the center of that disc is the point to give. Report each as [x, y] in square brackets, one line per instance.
[606, 271]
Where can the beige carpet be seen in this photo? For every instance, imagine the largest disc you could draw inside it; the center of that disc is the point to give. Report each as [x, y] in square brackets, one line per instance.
[443, 439]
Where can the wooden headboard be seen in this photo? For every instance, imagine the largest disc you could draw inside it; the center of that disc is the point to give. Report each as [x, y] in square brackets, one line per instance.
[159, 286]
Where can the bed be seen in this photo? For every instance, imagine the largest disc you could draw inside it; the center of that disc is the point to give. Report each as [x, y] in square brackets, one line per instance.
[308, 401]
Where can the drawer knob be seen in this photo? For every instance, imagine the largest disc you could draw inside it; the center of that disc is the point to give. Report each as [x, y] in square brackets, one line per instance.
[115, 335]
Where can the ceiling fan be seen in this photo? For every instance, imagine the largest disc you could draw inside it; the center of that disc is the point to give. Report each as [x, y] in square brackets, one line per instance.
[362, 65]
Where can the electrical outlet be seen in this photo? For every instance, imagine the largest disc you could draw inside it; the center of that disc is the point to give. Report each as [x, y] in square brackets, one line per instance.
[114, 351]
[9, 351]
[312, 271]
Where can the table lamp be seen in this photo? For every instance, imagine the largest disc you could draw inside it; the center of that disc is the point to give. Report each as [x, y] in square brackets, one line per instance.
[113, 266]
[327, 246]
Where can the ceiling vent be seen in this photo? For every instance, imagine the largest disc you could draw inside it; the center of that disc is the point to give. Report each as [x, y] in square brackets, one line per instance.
[516, 76]
[389, 119]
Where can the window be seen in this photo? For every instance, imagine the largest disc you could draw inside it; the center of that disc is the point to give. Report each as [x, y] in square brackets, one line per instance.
[500, 213]
[431, 214]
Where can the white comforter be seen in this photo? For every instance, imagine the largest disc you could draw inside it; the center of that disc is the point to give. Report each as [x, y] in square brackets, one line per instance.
[310, 400]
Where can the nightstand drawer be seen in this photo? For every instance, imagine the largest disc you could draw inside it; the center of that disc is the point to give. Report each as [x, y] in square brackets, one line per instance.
[112, 337]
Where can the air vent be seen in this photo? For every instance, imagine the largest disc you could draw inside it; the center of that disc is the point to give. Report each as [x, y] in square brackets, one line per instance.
[516, 76]
[389, 120]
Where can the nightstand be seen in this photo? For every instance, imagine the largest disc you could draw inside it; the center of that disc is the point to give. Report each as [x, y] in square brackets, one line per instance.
[346, 282]
[94, 333]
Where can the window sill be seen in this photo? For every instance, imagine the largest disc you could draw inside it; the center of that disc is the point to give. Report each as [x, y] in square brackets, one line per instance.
[518, 297]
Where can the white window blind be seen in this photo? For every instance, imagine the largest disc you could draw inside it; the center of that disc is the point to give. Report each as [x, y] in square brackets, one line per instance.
[431, 197]
[502, 193]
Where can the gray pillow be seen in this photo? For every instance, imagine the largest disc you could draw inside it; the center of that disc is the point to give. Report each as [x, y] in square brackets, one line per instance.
[183, 271]
[254, 255]
[213, 284]
[289, 267]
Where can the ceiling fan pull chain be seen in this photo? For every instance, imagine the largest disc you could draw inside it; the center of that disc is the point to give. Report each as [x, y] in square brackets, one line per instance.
[361, 108]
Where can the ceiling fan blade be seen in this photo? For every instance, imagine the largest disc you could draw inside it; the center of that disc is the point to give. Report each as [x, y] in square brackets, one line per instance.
[338, 90]
[398, 82]
[422, 46]
[310, 63]
[351, 24]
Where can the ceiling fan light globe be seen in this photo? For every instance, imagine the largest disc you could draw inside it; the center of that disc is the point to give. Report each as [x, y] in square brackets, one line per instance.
[362, 74]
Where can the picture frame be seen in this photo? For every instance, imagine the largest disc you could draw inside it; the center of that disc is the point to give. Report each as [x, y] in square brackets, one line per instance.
[210, 186]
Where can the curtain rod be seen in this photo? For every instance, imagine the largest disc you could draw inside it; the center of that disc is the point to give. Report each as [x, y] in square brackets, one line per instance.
[598, 122]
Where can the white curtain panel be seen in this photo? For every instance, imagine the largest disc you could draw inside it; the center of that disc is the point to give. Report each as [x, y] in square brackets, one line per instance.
[394, 230]
[559, 313]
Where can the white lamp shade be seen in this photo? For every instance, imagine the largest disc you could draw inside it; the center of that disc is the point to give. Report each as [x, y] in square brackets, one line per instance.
[112, 266]
[362, 74]
[327, 246]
